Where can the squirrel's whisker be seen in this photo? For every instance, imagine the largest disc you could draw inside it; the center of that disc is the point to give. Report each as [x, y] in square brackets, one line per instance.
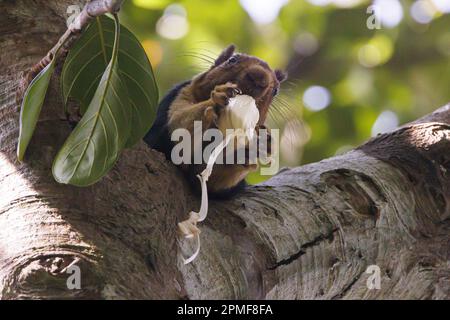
[197, 57]
[279, 112]
[275, 118]
[200, 55]
[285, 108]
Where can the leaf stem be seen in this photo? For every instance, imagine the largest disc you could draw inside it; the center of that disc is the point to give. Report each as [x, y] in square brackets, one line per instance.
[92, 9]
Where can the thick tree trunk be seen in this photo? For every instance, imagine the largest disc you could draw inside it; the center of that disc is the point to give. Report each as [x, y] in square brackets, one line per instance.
[309, 232]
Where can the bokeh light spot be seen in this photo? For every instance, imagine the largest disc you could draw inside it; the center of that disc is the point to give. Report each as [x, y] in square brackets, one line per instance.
[442, 5]
[386, 121]
[369, 56]
[316, 98]
[347, 3]
[422, 11]
[306, 44]
[389, 12]
[355, 87]
[263, 11]
[377, 51]
[151, 4]
[153, 50]
[320, 2]
[173, 24]
[337, 3]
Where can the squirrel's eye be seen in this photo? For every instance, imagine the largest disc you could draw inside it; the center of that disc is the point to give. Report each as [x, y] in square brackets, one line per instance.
[232, 60]
[275, 91]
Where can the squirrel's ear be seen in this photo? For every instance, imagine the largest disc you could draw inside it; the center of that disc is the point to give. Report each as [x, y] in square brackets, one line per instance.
[281, 75]
[225, 55]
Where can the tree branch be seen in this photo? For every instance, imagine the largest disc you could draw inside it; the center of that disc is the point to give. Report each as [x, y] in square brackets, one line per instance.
[309, 232]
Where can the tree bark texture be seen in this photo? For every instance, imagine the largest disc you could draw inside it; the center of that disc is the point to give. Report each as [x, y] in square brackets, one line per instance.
[307, 233]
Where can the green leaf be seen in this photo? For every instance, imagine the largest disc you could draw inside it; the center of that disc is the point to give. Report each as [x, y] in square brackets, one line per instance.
[87, 60]
[31, 107]
[95, 144]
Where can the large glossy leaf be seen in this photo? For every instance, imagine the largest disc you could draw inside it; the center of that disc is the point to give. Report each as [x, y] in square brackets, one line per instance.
[95, 144]
[31, 107]
[87, 60]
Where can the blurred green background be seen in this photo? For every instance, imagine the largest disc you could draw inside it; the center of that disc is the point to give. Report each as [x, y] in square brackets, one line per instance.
[357, 68]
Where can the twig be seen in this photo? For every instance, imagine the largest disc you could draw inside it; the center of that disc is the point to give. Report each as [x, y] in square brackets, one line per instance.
[92, 9]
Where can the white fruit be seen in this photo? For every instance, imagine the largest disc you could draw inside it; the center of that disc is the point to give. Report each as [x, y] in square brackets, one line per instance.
[240, 114]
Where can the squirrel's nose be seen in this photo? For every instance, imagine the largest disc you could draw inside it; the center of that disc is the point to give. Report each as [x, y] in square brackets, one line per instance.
[258, 77]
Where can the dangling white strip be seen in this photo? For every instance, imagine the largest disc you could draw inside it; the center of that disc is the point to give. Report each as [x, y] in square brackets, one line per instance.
[189, 227]
[192, 258]
[207, 173]
[242, 114]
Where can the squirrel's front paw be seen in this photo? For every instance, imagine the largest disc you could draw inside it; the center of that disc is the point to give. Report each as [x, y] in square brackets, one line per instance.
[222, 94]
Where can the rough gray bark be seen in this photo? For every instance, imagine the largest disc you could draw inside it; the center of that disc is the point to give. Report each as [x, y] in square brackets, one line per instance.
[309, 232]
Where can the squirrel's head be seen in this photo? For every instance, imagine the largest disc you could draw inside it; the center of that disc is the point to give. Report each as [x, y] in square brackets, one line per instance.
[252, 75]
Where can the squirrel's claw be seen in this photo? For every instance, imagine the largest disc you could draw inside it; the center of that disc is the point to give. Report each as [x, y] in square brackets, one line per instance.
[222, 94]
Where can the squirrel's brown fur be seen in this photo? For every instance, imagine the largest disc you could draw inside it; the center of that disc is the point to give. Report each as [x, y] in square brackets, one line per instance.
[204, 97]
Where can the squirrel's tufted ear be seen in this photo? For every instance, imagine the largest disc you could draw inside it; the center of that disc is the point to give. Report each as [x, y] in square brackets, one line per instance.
[225, 55]
[281, 75]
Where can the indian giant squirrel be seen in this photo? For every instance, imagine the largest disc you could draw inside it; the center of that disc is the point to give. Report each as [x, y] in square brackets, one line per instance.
[202, 99]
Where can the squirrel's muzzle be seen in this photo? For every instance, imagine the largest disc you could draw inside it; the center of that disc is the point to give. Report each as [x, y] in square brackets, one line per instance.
[255, 82]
